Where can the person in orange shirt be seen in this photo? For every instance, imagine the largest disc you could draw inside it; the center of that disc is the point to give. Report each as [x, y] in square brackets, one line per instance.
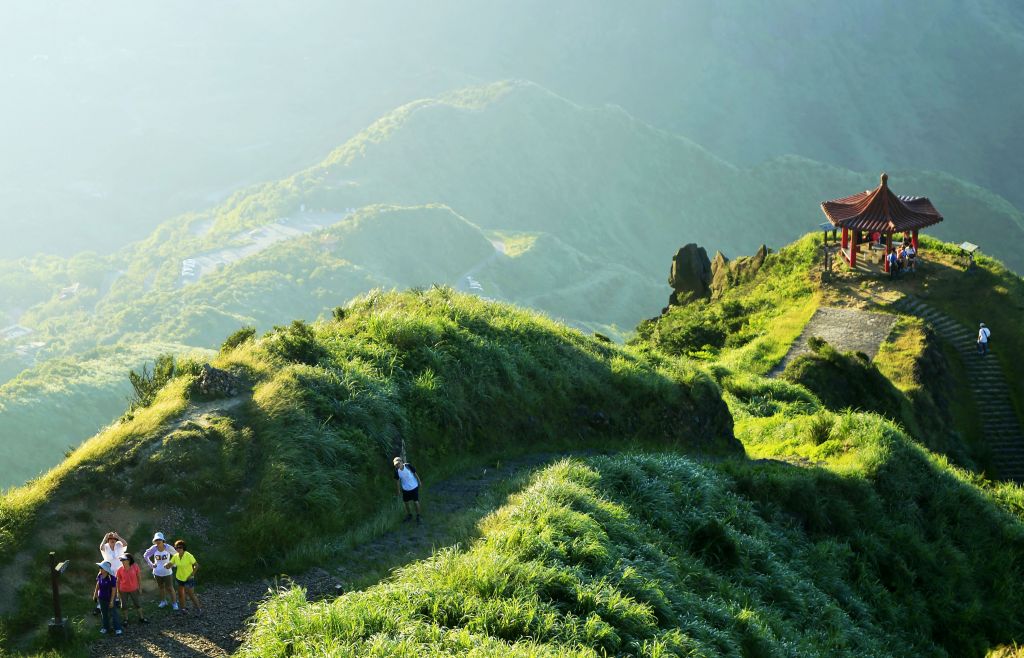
[128, 584]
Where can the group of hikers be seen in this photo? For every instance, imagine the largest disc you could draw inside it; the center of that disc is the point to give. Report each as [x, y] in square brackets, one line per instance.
[118, 582]
[901, 258]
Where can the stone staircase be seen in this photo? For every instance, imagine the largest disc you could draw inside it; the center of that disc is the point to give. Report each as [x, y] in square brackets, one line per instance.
[999, 421]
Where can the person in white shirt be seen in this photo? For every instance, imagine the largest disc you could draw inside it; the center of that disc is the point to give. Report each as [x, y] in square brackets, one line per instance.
[112, 548]
[983, 335]
[158, 557]
[408, 487]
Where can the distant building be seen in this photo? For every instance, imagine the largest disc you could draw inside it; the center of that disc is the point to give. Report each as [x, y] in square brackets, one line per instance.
[70, 291]
[14, 332]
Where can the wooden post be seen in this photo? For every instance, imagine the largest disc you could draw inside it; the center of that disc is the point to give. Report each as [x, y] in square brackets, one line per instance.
[913, 240]
[57, 628]
[846, 237]
[854, 238]
[888, 250]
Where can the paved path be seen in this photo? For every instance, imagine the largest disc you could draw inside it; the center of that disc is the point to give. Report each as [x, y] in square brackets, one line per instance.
[991, 393]
[221, 629]
[846, 329]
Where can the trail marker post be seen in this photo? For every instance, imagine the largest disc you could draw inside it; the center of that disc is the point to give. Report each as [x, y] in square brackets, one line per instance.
[58, 629]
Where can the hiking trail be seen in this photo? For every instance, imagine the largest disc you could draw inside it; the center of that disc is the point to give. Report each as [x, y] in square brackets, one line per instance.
[988, 386]
[220, 630]
[845, 329]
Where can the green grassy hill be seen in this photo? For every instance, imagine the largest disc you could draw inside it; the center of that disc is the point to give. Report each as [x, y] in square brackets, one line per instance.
[304, 449]
[47, 411]
[824, 530]
[594, 203]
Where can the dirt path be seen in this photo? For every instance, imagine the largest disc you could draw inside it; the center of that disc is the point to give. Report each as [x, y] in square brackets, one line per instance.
[846, 329]
[221, 629]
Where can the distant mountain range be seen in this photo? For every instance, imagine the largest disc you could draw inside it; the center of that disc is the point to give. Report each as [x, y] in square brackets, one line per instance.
[506, 190]
[131, 113]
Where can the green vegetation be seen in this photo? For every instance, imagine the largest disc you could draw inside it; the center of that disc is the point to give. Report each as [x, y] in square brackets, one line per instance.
[304, 452]
[50, 409]
[843, 535]
[658, 556]
[749, 326]
[588, 233]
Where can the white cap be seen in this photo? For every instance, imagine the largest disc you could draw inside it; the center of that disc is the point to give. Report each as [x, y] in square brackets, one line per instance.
[983, 324]
[159, 536]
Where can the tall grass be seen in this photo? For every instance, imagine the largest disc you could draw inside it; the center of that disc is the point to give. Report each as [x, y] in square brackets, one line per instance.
[656, 555]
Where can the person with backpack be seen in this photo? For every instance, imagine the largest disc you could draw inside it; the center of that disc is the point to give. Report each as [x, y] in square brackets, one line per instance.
[408, 487]
[984, 333]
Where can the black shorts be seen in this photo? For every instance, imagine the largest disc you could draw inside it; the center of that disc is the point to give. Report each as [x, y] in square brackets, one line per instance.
[412, 494]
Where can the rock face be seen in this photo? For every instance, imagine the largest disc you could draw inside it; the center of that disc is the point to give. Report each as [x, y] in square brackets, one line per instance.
[690, 276]
[725, 273]
[214, 382]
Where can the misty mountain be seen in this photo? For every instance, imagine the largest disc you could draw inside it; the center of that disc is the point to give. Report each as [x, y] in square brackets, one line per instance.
[125, 114]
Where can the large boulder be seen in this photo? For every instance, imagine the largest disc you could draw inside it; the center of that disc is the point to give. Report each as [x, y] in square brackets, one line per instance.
[690, 276]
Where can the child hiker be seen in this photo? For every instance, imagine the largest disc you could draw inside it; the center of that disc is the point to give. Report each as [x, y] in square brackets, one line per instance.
[185, 569]
[103, 594]
[158, 557]
[128, 584]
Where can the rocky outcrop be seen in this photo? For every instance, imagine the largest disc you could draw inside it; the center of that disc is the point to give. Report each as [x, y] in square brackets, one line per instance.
[726, 273]
[690, 276]
[213, 382]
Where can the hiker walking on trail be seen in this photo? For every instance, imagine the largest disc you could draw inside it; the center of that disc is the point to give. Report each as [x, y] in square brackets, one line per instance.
[128, 585]
[185, 569]
[103, 594]
[158, 557]
[983, 335]
[408, 487]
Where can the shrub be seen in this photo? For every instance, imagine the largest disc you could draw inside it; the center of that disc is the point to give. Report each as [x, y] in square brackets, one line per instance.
[243, 335]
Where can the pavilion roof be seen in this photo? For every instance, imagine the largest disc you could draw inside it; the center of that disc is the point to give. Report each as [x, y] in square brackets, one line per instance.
[881, 210]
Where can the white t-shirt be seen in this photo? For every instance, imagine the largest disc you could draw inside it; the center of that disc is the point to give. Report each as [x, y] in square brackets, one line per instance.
[983, 335]
[408, 479]
[160, 560]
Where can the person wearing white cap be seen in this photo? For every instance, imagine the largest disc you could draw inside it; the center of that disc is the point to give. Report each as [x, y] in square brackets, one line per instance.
[158, 557]
[983, 335]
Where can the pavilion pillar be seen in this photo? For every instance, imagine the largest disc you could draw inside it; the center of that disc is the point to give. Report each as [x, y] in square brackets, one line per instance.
[845, 242]
[913, 240]
[888, 250]
[854, 239]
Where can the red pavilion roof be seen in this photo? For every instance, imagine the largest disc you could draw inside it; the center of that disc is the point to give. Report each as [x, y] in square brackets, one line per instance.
[881, 210]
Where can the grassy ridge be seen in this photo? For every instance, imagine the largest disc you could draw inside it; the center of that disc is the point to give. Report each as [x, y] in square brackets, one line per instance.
[658, 556]
[304, 451]
[55, 406]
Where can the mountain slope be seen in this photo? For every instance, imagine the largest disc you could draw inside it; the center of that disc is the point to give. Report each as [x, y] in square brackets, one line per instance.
[598, 200]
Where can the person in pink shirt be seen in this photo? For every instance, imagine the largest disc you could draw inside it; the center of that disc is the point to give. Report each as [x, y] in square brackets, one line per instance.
[128, 584]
